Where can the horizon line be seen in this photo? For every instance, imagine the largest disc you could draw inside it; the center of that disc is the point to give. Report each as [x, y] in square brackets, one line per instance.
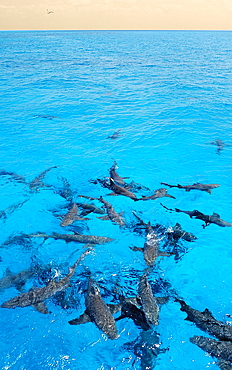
[116, 30]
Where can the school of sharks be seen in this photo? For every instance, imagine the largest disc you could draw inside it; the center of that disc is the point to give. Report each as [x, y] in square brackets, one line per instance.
[143, 309]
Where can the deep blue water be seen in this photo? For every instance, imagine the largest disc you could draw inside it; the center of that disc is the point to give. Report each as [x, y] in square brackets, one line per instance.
[62, 95]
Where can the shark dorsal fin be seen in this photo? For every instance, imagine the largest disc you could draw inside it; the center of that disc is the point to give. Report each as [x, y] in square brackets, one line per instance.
[114, 307]
[216, 215]
[8, 272]
[208, 314]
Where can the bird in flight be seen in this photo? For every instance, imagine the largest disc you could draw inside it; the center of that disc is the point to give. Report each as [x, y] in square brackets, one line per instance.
[49, 11]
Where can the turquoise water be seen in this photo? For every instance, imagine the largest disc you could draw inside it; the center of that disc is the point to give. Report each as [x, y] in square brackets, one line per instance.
[62, 95]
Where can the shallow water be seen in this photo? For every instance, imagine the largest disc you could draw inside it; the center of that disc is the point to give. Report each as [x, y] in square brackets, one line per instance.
[62, 95]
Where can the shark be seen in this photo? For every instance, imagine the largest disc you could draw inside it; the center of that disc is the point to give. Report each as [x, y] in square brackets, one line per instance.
[143, 309]
[115, 135]
[148, 301]
[76, 237]
[219, 144]
[216, 348]
[72, 216]
[114, 175]
[37, 297]
[159, 193]
[11, 209]
[112, 214]
[65, 192]
[90, 208]
[37, 182]
[14, 176]
[130, 309]
[34, 184]
[119, 190]
[98, 312]
[175, 233]
[207, 322]
[208, 219]
[16, 280]
[196, 186]
[151, 247]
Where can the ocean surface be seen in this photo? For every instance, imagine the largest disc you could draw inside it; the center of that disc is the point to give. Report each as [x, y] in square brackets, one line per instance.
[74, 104]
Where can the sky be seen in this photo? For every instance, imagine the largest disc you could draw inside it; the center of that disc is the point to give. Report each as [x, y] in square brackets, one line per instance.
[115, 14]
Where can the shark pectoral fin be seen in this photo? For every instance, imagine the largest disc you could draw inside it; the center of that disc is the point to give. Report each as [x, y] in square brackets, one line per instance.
[136, 249]
[85, 196]
[78, 218]
[209, 191]
[106, 217]
[88, 245]
[120, 317]
[170, 196]
[162, 300]
[85, 212]
[161, 350]
[83, 319]
[113, 194]
[165, 253]
[41, 307]
[114, 308]
[121, 213]
[132, 300]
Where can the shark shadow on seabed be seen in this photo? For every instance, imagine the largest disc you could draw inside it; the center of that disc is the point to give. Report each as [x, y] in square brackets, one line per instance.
[146, 349]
